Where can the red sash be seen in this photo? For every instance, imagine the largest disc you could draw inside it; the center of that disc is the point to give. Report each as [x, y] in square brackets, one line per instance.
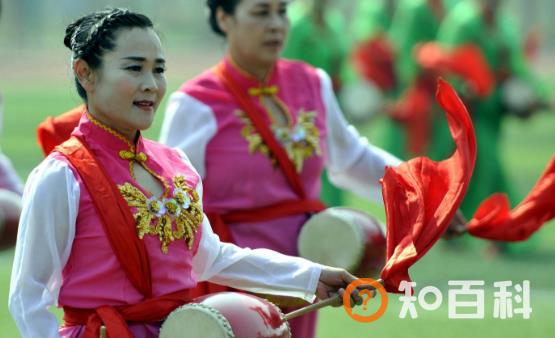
[287, 208]
[269, 139]
[115, 318]
[119, 225]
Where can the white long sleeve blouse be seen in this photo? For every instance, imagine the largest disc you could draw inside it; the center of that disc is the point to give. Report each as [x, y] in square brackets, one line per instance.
[352, 162]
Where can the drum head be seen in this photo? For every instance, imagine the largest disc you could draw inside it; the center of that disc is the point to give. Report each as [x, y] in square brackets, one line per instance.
[517, 95]
[249, 316]
[361, 100]
[196, 321]
[332, 237]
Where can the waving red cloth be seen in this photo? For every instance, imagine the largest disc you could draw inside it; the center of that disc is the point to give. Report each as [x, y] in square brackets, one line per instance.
[466, 61]
[375, 61]
[414, 112]
[55, 130]
[421, 196]
[494, 219]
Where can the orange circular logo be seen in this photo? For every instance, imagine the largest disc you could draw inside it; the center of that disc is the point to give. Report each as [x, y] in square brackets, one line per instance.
[369, 295]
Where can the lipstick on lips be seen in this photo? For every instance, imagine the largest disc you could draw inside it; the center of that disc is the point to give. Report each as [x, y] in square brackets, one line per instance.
[145, 105]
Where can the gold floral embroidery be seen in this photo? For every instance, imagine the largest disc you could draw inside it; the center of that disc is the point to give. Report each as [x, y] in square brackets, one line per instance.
[173, 218]
[300, 141]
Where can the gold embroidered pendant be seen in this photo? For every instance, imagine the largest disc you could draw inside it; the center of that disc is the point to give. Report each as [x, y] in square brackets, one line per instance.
[300, 142]
[171, 218]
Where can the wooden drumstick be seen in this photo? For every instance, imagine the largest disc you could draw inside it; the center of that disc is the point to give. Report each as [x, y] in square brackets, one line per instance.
[334, 301]
[103, 331]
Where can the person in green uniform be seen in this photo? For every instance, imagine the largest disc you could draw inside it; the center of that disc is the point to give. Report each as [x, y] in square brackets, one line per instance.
[414, 22]
[318, 36]
[371, 45]
[372, 18]
[484, 24]
[371, 66]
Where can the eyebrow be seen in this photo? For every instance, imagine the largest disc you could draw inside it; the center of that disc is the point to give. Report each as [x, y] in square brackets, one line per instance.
[265, 4]
[142, 59]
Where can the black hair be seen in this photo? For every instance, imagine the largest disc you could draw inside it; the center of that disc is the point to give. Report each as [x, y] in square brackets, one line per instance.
[90, 36]
[228, 6]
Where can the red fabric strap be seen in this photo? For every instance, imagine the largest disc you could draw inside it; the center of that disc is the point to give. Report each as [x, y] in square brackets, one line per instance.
[269, 139]
[115, 318]
[117, 220]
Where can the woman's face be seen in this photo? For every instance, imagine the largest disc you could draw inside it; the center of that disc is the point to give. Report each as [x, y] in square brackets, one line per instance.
[256, 31]
[129, 85]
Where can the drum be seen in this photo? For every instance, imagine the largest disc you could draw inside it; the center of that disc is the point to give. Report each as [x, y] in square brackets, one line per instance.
[345, 238]
[361, 100]
[10, 208]
[226, 315]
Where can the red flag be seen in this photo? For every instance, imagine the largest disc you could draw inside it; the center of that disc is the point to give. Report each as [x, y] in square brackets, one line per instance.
[375, 61]
[55, 130]
[494, 219]
[421, 196]
[465, 61]
[414, 112]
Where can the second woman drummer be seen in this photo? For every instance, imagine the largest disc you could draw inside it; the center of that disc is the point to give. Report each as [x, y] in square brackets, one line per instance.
[260, 130]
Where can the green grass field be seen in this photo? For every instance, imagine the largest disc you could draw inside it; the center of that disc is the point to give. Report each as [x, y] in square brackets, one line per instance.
[526, 150]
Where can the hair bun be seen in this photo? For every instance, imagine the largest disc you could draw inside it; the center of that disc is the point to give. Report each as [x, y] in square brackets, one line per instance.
[90, 36]
[228, 6]
[71, 30]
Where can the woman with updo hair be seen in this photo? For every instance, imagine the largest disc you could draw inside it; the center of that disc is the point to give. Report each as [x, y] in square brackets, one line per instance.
[112, 227]
[260, 129]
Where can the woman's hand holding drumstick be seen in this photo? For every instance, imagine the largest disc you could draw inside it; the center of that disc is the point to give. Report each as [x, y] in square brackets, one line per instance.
[331, 288]
[457, 227]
